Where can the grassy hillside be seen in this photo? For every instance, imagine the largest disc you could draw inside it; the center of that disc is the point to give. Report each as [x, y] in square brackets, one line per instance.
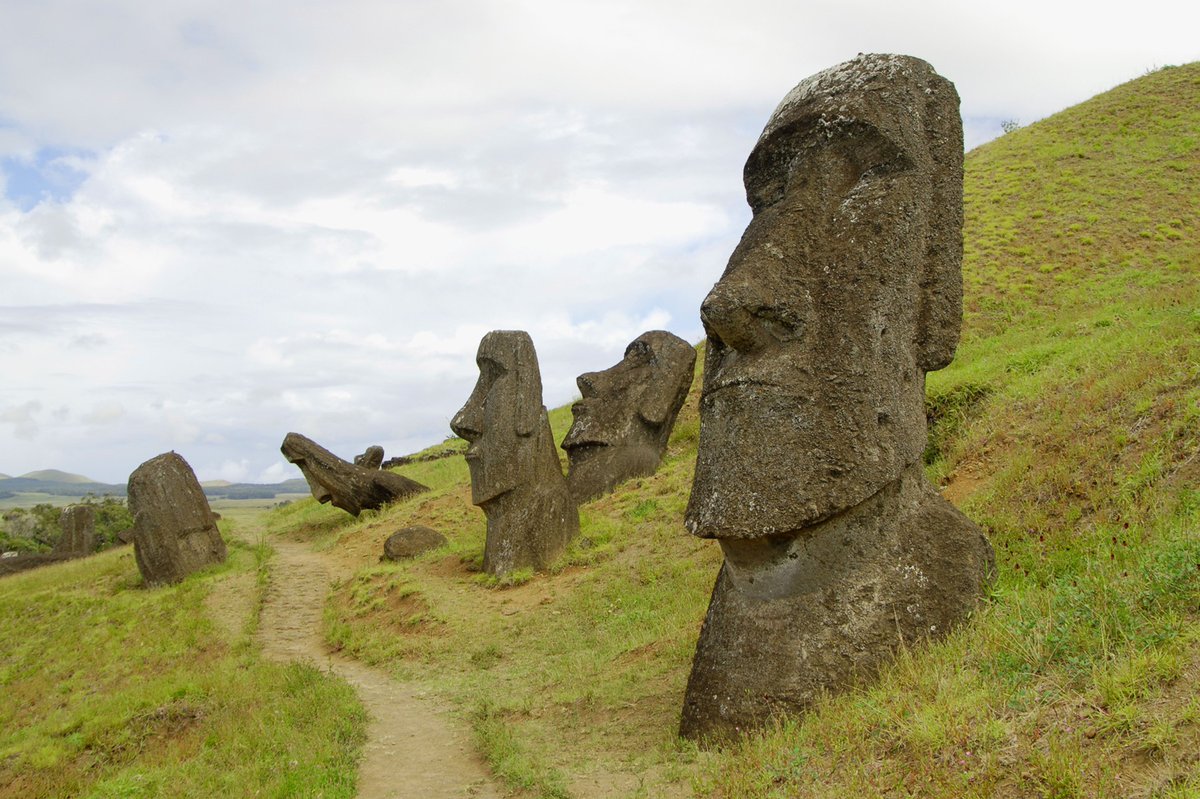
[109, 689]
[1068, 426]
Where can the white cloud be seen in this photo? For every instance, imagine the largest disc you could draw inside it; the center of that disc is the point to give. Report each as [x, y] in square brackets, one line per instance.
[289, 224]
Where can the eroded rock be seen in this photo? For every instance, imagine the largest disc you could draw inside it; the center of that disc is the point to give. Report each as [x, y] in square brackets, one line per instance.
[345, 485]
[844, 291]
[78, 537]
[515, 474]
[622, 423]
[174, 532]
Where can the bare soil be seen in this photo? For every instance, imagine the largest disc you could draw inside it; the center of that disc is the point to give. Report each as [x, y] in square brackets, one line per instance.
[415, 748]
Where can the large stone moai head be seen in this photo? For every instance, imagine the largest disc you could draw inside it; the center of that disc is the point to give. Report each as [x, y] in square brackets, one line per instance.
[174, 532]
[625, 417]
[515, 474]
[843, 292]
[78, 537]
[345, 485]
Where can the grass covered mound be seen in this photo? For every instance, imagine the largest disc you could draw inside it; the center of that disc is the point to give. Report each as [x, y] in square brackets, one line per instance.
[1068, 426]
[110, 689]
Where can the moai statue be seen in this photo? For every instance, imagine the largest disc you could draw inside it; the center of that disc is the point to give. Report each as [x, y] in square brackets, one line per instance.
[845, 289]
[372, 458]
[627, 412]
[515, 474]
[345, 485]
[78, 537]
[174, 533]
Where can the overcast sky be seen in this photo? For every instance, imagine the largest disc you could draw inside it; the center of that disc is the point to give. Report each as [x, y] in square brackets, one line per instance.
[221, 221]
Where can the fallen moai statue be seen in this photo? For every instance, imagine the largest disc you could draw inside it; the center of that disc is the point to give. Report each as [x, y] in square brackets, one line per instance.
[515, 474]
[845, 289]
[174, 532]
[342, 484]
[626, 414]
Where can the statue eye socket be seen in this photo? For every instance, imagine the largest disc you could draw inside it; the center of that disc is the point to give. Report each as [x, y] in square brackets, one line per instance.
[779, 321]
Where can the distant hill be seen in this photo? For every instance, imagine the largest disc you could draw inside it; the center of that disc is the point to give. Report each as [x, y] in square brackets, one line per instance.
[55, 476]
[213, 489]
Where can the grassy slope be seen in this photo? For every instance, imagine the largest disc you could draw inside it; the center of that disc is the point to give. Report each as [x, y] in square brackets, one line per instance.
[1068, 426]
[109, 689]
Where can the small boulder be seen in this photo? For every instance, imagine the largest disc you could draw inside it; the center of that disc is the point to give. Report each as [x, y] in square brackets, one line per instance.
[412, 541]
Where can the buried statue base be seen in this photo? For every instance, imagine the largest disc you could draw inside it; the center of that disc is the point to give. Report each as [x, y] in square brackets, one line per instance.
[798, 615]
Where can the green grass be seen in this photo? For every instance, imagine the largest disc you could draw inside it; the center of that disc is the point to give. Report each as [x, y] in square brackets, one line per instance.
[110, 689]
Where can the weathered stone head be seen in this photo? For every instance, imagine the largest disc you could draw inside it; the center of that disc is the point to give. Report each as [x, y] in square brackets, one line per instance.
[342, 484]
[78, 524]
[844, 290]
[625, 417]
[515, 473]
[504, 417]
[174, 532]
[371, 458]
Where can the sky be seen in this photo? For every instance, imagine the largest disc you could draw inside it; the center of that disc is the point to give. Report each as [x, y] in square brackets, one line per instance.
[224, 221]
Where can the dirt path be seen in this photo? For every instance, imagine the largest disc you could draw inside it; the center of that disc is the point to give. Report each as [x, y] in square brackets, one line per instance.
[414, 749]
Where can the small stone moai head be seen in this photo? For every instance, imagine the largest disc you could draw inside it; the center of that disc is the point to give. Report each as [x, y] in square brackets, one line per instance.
[625, 417]
[504, 415]
[515, 473]
[844, 290]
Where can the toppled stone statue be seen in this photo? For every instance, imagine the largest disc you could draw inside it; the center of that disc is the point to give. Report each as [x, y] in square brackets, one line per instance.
[174, 533]
[345, 485]
[515, 474]
[845, 289]
[409, 542]
[78, 537]
[625, 417]
[372, 458]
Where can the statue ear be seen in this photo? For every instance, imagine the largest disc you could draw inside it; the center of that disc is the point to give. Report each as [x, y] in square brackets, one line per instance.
[940, 313]
[656, 404]
[667, 391]
[529, 385]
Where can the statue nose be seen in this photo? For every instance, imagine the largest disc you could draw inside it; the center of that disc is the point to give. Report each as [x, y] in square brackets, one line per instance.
[587, 384]
[727, 317]
[467, 423]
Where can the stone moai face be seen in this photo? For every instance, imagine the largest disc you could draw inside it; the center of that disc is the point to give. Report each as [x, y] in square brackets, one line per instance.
[502, 416]
[515, 474]
[844, 290]
[622, 423]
